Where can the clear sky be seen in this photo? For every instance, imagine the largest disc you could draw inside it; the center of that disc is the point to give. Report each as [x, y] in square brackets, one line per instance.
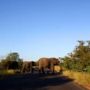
[40, 28]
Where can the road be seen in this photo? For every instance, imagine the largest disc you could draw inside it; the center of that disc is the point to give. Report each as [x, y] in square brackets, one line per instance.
[38, 82]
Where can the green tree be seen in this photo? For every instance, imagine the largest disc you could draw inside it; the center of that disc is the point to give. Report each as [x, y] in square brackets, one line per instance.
[79, 59]
[12, 61]
[13, 56]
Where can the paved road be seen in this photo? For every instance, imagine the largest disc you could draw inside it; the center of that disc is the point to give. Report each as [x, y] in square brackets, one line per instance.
[38, 82]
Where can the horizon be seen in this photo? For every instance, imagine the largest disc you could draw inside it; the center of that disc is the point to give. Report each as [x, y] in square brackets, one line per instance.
[48, 28]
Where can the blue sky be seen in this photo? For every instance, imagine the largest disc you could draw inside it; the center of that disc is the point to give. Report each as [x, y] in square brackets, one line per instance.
[43, 28]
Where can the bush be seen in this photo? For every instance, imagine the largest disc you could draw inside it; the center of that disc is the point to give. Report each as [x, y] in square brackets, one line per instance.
[88, 69]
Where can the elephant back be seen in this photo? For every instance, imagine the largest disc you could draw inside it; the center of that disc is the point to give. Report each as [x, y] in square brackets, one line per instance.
[54, 61]
[43, 62]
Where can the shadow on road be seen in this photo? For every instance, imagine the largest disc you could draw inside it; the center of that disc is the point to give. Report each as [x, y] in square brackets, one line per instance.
[32, 81]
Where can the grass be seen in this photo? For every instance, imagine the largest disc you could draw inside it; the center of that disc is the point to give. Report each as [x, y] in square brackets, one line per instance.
[4, 73]
[7, 72]
[79, 77]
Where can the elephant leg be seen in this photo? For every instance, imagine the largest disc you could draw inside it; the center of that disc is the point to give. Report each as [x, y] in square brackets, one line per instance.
[43, 71]
[40, 70]
[23, 70]
[52, 68]
[32, 70]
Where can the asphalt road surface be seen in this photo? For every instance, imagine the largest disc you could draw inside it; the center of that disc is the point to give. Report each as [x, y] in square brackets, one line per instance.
[38, 82]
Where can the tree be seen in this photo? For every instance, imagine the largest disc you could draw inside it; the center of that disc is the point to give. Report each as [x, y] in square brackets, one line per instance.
[79, 59]
[13, 56]
[12, 61]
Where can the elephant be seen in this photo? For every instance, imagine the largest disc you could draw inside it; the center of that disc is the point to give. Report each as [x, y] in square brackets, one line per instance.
[27, 66]
[47, 63]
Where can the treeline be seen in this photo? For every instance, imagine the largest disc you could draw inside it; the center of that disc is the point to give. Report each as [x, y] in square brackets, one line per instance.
[12, 61]
[79, 59]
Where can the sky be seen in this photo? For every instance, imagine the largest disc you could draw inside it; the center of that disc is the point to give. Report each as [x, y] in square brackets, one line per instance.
[43, 28]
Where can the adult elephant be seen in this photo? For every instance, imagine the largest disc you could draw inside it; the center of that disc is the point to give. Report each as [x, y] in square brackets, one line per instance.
[28, 67]
[47, 63]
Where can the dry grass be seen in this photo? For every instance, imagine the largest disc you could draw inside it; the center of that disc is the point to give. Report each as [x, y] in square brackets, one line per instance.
[57, 68]
[6, 72]
[79, 77]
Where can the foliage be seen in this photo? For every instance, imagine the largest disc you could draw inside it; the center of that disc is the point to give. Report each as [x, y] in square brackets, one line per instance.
[12, 61]
[79, 59]
[13, 57]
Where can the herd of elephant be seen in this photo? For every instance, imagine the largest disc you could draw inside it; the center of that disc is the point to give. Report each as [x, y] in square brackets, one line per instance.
[41, 65]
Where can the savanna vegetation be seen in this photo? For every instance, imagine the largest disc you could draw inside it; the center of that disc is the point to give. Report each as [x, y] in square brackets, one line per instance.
[11, 64]
[79, 59]
[77, 64]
